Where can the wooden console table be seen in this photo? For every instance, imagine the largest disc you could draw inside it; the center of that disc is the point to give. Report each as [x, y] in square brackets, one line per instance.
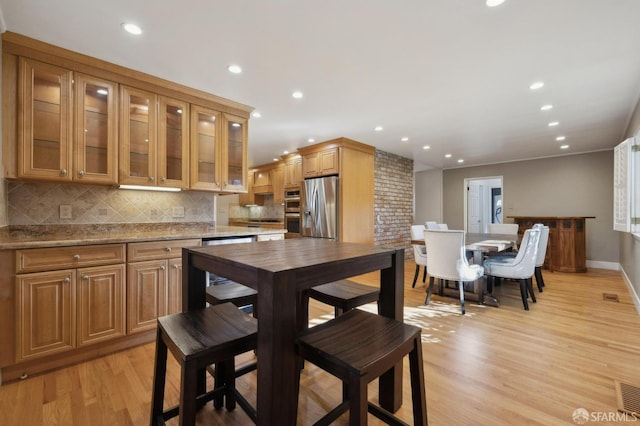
[566, 251]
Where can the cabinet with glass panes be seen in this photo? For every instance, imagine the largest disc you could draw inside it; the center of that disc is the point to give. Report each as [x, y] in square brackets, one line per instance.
[154, 144]
[218, 151]
[48, 135]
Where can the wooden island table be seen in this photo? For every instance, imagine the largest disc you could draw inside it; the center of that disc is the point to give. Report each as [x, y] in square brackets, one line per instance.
[280, 271]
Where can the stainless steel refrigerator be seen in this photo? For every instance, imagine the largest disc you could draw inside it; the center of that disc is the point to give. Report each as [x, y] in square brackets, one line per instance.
[320, 208]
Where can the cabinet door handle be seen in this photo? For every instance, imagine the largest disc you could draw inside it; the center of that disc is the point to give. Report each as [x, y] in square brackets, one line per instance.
[76, 257]
[66, 280]
[163, 180]
[167, 249]
[85, 277]
[162, 268]
[176, 266]
[63, 172]
[151, 178]
[81, 173]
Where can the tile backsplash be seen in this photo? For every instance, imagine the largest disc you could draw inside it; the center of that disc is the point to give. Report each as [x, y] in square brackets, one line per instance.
[36, 203]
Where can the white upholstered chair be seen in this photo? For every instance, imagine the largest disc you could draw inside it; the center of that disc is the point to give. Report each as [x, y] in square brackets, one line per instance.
[542, 252]
[419, 252]
[434, 225]
[521, 267]
[448, 260]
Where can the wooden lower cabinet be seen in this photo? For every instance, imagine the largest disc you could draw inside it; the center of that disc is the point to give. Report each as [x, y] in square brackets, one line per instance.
[46, 313]
[154, 282]
[101, 303]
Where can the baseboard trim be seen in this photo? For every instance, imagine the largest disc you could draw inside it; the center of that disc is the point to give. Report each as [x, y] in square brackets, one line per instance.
[599, 264]
[632, 290]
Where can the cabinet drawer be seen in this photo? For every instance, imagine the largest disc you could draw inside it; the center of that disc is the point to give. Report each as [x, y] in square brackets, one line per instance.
[159, 249]
[53, 258]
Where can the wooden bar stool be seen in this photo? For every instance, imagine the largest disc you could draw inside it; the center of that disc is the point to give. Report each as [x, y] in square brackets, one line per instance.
[343, 295]
[358, 347]
[213, 335]
[231, 291]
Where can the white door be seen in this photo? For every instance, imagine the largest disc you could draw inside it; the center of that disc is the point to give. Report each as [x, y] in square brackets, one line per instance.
[473, 207]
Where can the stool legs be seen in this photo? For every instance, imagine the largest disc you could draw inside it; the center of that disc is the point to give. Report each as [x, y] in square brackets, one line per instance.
[159, 373]
[418, 395]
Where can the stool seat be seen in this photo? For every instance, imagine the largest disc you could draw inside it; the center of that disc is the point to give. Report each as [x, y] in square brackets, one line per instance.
[231, 291]
[344, 294]
[196, 339]
[358, 347]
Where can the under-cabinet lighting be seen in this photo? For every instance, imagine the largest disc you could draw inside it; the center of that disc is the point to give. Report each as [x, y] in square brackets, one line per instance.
[150, 188]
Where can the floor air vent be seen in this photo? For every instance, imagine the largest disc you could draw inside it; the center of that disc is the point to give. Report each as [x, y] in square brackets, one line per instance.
[628, 398]
[610, 297]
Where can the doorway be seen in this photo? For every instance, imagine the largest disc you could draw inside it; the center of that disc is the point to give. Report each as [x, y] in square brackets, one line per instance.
[483, 203]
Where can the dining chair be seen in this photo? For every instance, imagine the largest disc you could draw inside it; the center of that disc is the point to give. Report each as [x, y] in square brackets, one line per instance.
[447, 261]
[434, 225]
[520, 268]
[542, 253]
[419, 252]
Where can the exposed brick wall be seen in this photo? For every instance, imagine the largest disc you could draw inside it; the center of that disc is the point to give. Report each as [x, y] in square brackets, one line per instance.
[393, 204]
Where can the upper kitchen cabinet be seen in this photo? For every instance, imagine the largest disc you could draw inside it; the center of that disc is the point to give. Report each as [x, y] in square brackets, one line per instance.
[45, 127]
[74, 118]
[154, 140]
[62, 137]
[324, 162]
[292, 170]
[218, 151]
[96, 142]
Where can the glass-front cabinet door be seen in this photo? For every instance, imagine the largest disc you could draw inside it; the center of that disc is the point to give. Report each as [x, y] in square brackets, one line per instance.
[138, 137]
[45, 125]
[234, 153]
[173, 143]
[96, 158]
[205, 150]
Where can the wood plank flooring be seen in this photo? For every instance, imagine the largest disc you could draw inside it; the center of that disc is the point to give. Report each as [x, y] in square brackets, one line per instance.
[493, 366]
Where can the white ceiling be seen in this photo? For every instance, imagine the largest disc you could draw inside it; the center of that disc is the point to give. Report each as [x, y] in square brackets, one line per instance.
[451, 74]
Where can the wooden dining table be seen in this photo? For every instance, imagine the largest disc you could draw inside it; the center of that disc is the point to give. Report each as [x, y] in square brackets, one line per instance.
[280, 270]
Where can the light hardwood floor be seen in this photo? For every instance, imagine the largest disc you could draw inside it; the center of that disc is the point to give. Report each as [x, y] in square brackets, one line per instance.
[493, 366]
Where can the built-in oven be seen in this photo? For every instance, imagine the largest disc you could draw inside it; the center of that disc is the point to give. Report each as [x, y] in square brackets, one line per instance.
[292, 223]
[292, 201]
[292, 212]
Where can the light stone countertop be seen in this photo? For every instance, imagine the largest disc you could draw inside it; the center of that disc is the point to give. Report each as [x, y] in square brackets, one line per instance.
[36, 236]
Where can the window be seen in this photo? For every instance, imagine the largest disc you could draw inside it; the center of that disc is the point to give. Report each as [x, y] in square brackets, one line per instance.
[626, 186]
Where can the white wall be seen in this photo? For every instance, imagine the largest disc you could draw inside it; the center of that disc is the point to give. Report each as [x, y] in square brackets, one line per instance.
[427, 196]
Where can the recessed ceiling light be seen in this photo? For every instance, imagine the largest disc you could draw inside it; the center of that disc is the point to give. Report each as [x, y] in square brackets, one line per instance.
[311, 140]
[537, 85]
[554, 123]
[285, 152]
[297, 94]
[405, 139]
[131, 28]
[256, 114]
[494, 3]
[560, 138]
[378, 128]
[234, 69]
[546, 107]
[102, 92]
[426, 147]
[447, 156]
[460, 160]
[564, 146]
[275, 159]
